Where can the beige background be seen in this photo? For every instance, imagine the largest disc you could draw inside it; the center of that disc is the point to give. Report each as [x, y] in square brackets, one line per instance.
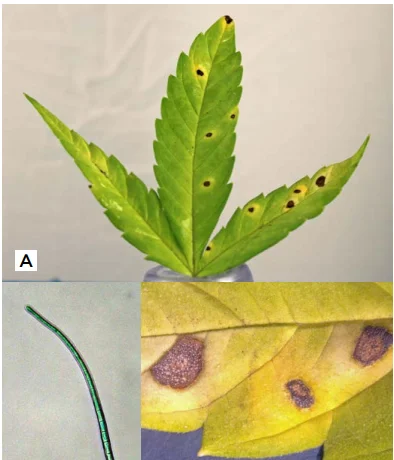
[47, 410]
[317, 80]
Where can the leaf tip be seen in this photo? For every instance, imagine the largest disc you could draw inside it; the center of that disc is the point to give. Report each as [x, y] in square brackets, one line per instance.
[360, 153]
[228, 19]
[30, 99]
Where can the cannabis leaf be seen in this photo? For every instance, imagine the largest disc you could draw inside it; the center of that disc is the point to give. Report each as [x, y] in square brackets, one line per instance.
[265, 220]
[194, 155]
[266, 368]
[129, 205]
[195, 137]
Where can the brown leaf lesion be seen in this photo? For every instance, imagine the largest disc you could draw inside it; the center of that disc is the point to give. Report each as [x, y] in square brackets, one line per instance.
[300, 394]
[180, 367]
[372, 345]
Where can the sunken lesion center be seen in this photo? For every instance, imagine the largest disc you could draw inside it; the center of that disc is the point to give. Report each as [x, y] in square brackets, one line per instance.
[181, 365]
[372, 345]
[300, 393]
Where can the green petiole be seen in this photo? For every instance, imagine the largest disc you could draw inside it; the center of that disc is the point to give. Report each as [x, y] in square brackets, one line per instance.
[104, 434]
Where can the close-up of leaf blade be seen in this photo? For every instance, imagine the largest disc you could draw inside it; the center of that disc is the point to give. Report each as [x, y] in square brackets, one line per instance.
[372, 440]
[266, 220]
[308, 435]
[257, 338]
[130, 206]
[182, 308]
[195, 137]
[322, 358]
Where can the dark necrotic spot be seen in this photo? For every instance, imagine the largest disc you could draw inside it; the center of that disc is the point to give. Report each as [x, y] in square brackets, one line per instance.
[200, 72]
[300, 393]
[320, 181]
[232, 115]
[251, 209]
[181, 365]
[208, 135]
[290, 204]
[207, 183]
[228, 19]
[90, 186]
[297, 190]
[372, 344]
[208, 248]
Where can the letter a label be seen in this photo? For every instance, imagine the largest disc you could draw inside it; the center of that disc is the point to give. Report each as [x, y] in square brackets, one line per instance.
[26, 260]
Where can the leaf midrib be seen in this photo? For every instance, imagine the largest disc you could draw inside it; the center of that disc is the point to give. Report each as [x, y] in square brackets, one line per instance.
[246, 326]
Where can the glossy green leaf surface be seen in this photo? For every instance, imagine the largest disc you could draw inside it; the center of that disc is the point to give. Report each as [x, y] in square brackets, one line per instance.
[195, 137]
[130, 206]
[256, 339]
[265, 220]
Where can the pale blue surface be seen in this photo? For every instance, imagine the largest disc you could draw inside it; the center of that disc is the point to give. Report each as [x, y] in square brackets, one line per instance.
[159, 445]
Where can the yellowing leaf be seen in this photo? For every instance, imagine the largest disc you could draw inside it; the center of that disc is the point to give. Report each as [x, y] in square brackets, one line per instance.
[308, 435]
[321, 358]
[371, 436]
[263, 366]
[243, 350]
[130, 206]
[180, 308]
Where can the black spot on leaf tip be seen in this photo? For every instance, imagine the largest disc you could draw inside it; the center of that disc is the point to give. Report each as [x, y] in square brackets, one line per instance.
[297, 190]
[207, 183]
[290, 204]
[320, 181]
[251, 209]
[90, 186]
[181, 365]
[372, 345]
[228, 19]
[232, 115]
[200, 72]
[300, 394]
[208, 135]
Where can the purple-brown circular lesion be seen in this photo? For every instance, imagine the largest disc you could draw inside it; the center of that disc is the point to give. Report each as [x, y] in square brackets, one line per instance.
[181, 365]
[300, 393]
[372, 345]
